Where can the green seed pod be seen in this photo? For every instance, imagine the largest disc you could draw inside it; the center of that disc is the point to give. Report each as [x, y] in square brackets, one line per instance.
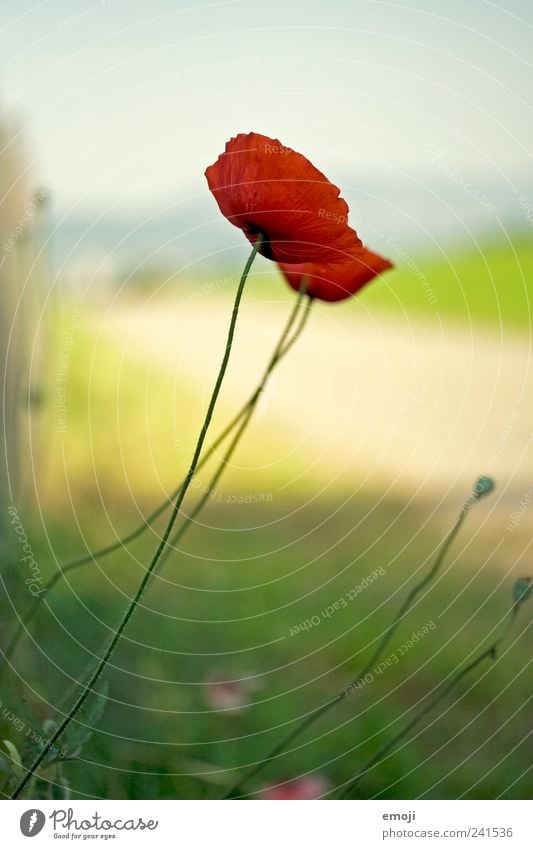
[522, 590]
[483, 486]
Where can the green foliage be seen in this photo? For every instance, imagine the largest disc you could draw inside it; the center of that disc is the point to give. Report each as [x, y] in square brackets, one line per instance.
[14, 757]
[51, 781]
[81, 729]
[240, 584]
[492, 285]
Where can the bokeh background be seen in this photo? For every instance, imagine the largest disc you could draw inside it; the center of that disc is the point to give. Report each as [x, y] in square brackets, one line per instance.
[117, 275]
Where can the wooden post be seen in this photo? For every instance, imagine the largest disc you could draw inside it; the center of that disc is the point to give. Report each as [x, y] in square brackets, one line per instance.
[21, 293]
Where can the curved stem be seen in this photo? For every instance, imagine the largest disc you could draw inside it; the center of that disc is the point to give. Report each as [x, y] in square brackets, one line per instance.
[98, 554]
[441, 694]
[281, 349]
[87, 689]
[315, 715]
[278, 353]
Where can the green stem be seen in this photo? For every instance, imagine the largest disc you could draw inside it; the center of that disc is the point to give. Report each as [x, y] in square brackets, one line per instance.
[163, 542]
[315, 715]
[278, 353]
[29, 613]
[441, 694]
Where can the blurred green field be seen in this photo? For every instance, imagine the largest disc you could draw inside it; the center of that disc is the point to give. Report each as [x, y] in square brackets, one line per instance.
[488, 285]
[493, 285]
[226, 602]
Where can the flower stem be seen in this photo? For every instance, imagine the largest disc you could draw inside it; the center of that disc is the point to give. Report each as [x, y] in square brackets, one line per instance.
[440, 694]
[61, 572]
[278, 353]
[282, 348]
[80, 701]
[315, 715]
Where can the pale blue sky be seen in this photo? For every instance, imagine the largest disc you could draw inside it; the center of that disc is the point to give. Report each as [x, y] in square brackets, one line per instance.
[125, 103]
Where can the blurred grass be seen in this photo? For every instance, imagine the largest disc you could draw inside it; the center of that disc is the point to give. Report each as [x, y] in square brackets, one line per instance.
[491, 285]
[227, 601]
[234, 617]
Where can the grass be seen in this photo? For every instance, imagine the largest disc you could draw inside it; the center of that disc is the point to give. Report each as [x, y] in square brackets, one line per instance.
[226, 603]
[234, 618]
[491, 285]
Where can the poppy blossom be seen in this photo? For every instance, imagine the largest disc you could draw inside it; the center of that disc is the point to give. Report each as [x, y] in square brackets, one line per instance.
[307, 787]
[341, 278]
[267, 189]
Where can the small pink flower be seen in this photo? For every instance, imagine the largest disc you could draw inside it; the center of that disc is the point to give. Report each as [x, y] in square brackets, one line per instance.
[307, 787]
[223, 693]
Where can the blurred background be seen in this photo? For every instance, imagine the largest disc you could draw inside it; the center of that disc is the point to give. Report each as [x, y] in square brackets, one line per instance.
[117, 275]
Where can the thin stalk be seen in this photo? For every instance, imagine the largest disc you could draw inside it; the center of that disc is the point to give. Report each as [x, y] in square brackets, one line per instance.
[278, 353]
[441, 694]
[315, 715]
[98, 554]
[87, 689]
[280, 350]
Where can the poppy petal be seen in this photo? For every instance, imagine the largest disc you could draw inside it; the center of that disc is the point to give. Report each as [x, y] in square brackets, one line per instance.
[307, 787]
[334, 281]
[261, 186]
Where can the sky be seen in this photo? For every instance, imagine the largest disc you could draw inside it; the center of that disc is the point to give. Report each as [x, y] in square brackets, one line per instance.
[123, 104]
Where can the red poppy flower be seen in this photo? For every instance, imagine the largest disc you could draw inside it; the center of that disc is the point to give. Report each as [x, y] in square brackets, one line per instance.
[307, 787]
[341, 278]
[265, 188]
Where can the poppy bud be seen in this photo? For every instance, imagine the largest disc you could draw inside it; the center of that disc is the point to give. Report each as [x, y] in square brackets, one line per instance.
[484, 485]
[522, 590]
